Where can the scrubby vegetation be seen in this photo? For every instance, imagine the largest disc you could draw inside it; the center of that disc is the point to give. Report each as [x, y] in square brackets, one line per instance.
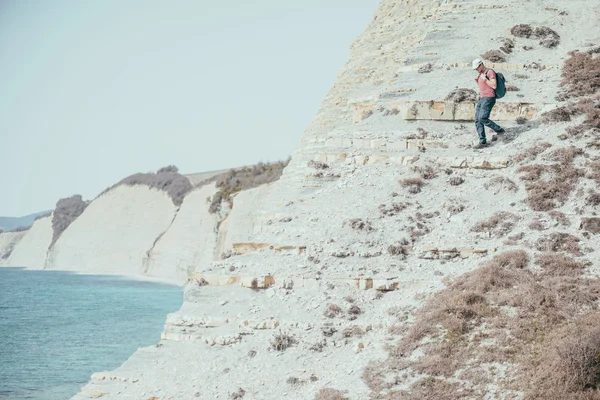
[548, 37]
[67, 210]
[549, 185]
[236, 180]
[330, 394]
[498, 225]
[282, 340]
[543, 320]
[493, 56]
[460, 95]
[167, 179]
[581, 85]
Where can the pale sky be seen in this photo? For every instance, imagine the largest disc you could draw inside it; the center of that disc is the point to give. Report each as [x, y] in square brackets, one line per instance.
[93, 91]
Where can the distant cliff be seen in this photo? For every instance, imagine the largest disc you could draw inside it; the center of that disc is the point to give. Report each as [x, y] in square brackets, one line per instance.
[161, 226]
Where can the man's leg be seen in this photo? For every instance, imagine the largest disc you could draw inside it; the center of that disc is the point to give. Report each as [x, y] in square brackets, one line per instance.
[486, 109]
[478, 124]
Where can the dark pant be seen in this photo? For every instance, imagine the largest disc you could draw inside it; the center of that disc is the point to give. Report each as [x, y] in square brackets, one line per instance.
[482, 117]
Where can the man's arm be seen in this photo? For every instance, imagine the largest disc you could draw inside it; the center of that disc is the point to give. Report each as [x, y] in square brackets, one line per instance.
[491, 82]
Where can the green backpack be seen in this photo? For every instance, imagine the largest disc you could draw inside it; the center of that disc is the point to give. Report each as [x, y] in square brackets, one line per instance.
[500, 84]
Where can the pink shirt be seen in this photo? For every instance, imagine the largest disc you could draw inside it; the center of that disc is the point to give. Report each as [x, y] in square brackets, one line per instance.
[484, 89]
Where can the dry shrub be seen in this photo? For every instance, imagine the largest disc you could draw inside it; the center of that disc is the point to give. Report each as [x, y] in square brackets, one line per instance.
[317, 164]
[421, 134]
[332, 311]
[493, 56]
[531, 153]
[427, 172]
[398, 249]
[425, 68]
[591, 225]
[282, 340]
[522, 30]
[536, 225]
[353, 331]
[559, 241]
[501, 183]
[412, 184]
[67, 210]
[568, 367]
[559, 264]
[549, 186]
[593, 199]
[521, 120]
[560, 217]
[548, 37]
[508, 46]
[456, 180]
[359, 224]
[432, 389]
[454, 206]
[167, 179]
[460, 95]
[512, 88]
[238, 395]
[580, 75]
[498, 225]
[236, 180]
[464, 327]
[393, 209]
[330, 394]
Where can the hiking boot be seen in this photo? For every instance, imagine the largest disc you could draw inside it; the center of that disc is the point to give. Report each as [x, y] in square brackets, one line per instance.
[501, 131]
[481, 146]
[494, 138]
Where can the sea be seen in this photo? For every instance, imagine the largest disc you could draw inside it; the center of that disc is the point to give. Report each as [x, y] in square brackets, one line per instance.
[57, 328]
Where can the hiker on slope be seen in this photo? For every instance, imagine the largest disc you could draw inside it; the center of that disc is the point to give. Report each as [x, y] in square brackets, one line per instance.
[487, 99]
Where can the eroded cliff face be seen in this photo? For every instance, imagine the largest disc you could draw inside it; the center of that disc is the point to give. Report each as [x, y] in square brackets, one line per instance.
[32, 250]
[8, 242]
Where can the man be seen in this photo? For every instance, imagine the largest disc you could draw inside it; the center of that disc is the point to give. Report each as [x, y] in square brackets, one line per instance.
[486, 80]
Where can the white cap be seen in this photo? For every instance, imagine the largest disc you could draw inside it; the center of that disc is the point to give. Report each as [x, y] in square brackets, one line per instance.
[477, 62]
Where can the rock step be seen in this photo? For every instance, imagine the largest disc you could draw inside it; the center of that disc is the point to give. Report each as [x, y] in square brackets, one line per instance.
[464, 65]
[475, 162]
[380, 283]
[449, 111]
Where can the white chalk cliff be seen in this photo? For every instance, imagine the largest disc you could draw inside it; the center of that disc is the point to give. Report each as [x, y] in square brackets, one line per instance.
[340, 253]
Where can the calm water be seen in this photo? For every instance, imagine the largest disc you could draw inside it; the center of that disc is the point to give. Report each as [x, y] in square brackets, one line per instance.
[57, 328]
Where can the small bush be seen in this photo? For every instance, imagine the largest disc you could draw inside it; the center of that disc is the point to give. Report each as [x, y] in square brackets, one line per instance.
[456, 180]
[238, 395]
[494, 56]
[512, 88]
[522, 30]
[454, 207]
[427, 172]
[591, 225]
[460, 95]
[317, 164]
[67, 210]
[412, 184]
[425, 68]
[501, 183]
[332, 311]
[398, 249]
[558, 241]
[353, 331]
[521, 121]
[498, 225]
[393, 209]
[330, 394]
[580, 75]
[359, 224]
[559, 265]
[531, 153]
[354, 310]
[282, 340]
